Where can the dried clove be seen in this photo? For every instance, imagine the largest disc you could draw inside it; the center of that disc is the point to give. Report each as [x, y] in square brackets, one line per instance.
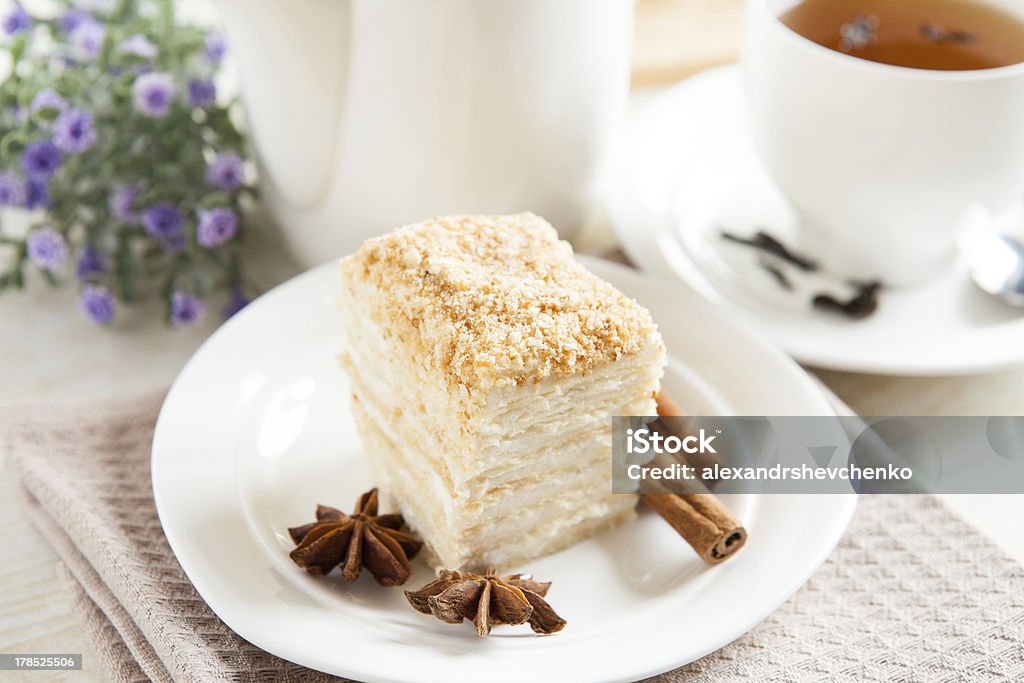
[777, 273]
[863, 303]
[768, 244]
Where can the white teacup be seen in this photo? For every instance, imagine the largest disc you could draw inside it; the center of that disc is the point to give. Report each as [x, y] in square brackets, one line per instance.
[881, 163]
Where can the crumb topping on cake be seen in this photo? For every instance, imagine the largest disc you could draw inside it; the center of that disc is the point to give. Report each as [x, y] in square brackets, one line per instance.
[499, 300]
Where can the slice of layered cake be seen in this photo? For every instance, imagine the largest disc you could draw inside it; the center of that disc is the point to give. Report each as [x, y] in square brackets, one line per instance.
[486, 365]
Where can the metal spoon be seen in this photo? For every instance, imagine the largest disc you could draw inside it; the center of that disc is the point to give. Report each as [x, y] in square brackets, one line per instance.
[997, 265]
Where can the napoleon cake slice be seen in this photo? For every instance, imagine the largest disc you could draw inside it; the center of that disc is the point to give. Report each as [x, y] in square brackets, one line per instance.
[486, 364]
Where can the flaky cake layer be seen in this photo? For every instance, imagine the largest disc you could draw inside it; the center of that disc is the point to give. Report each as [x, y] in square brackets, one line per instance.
[520, 426]
[496, 300]
[540, 524]
[486, 365]
[498, 429]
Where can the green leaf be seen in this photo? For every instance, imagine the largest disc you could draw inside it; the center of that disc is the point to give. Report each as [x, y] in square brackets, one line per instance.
[13, 142]
[19, 45]
[50, 278]
[214, 199]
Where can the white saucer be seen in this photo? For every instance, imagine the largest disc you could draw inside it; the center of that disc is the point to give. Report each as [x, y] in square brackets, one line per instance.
[256, 431]
[687, 169]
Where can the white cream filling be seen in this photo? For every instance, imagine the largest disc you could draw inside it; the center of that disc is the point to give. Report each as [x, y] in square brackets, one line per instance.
[499, 477]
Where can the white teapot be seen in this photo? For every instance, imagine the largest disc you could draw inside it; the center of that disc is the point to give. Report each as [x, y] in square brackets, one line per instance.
[369, 114]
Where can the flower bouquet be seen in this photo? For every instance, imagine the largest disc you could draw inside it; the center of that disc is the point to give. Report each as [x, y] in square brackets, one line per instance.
[119, 167]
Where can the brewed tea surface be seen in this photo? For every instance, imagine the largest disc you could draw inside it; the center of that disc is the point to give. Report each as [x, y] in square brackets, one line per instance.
[946, 35]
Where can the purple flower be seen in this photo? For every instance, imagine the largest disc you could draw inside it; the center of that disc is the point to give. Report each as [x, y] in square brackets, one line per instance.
[226, 172]
[73, 131]
[201, 92]
[38, 195]
[72, 19]
[97, 303]
[90, 263]
[216, 226]
[186, 309]
[163, 220]
[47, 99]
[215, 46]
[237, 300]
[121, 203]
[153, 94]
[13, 190]
[138, 45]
[88, 38]
[17, 21]
[41, 159]
[47, 248]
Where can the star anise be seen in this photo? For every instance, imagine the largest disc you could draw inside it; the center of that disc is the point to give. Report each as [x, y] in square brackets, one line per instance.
[487, 600]
[362, 539]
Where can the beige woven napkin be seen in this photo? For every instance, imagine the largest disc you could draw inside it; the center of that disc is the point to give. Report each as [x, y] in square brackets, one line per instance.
[911, 594]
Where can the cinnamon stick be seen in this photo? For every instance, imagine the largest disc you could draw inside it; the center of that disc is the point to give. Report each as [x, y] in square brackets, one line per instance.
[700, 518]
[667, 407]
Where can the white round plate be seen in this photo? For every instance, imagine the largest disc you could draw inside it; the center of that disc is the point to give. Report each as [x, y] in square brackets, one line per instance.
[256, 431]
[687, 169]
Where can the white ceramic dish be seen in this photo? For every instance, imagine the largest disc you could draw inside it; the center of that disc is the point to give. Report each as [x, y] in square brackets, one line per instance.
[687, 168]
[256, 431]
